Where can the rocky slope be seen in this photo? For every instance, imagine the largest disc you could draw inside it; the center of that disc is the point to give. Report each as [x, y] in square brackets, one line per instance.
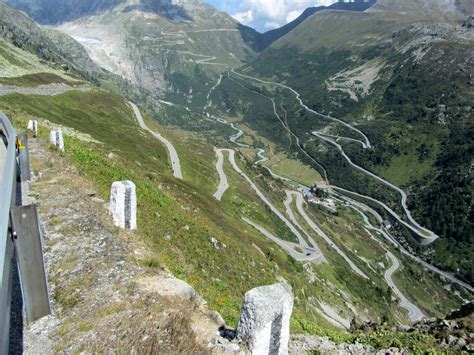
[171, 46]
[91, 265]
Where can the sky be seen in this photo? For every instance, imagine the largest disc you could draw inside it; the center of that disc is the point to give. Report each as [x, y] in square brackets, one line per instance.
[264, 15]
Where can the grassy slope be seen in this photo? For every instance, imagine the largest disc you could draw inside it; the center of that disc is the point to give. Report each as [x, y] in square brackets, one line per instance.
[18, 67]
[412, 130]
[178, 219]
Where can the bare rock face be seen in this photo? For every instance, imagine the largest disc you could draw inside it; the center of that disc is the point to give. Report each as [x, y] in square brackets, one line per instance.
[264, 323]
[123, 204]
[170, 287]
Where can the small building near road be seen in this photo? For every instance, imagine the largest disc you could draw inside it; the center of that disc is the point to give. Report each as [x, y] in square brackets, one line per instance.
[387, 224]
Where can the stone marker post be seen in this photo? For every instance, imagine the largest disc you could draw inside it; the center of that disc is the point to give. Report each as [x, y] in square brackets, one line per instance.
[33, 126]
[123, 204]
[264, 323]
[56, 139]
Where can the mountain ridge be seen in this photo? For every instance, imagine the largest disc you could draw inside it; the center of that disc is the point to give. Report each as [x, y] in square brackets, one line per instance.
[273, 35]
[363, 69]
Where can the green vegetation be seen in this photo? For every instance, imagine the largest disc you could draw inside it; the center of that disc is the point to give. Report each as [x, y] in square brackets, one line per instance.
[34, 80]
[178, 219]
[205, 242]
[421, 138]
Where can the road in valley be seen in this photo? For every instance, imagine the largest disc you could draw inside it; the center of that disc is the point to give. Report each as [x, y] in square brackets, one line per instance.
[297, 139]
[314, 253]
[298, 97]
[291, 248]
[427, 235]
[261, 195]
[289, 212]
[366, 208]
[419, 229]
[223, 183]
[338, 138]
[402, 250]
[175, 163]
[320, 232]
[414, 313]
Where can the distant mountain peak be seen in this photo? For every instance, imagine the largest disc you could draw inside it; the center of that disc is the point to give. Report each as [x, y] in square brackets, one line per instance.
[53, 12]
[433, 9]
[358, 5]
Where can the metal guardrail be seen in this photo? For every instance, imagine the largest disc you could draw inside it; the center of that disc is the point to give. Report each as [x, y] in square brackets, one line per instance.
[20, 240]
[7, 201]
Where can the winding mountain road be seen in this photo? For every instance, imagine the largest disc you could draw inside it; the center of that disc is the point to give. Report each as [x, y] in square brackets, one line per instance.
[414, 313]
[175, 163]
[261, 195]
[388, 209]
[223, 183]
[426, 235]
[338, 138]
[297, 139]
[320, 232]
[400, 247]
[291, 248]
[314, 254]
[298, 97]
[366, 208]
[432, 237]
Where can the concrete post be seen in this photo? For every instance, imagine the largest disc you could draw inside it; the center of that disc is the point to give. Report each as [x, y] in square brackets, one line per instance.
[56, 139]
[33, 126]
[123, 204]
[264, 323]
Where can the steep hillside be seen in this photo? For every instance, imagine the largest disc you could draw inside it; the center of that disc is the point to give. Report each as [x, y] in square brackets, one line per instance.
[273, 35]
[52, 12]
[166, 49]
[441, 10]
[230, 222]
[381, 70]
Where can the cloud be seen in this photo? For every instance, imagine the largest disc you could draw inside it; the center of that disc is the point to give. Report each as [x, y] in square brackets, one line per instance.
[272, 25]
[265, 14]
[293, 15]
[245, 17]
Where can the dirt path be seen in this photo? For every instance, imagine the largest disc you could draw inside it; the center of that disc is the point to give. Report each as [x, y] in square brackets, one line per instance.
[48, 90]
